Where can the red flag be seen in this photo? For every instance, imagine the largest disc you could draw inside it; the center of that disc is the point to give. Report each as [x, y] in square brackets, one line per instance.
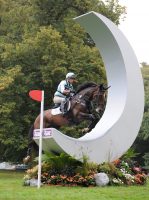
[36, 95]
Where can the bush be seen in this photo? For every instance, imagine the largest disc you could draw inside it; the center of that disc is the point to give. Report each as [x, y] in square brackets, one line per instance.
[65, 170]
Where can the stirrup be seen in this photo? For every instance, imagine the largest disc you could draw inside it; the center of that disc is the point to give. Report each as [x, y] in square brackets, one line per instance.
[56, 105]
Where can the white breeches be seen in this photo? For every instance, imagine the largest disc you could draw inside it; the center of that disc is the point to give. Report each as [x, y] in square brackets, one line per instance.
[58, 99]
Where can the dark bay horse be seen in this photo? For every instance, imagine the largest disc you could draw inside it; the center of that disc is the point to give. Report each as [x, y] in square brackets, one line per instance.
[87, 104]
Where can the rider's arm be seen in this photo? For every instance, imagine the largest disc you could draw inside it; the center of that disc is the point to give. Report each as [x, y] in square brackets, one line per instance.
[66, 91]
[62, 88]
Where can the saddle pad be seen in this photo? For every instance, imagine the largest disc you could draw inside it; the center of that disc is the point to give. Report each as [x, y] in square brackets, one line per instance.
[56, 111]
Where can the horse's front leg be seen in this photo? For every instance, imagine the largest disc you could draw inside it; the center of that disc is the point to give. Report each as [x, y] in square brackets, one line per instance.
[90, 117]
[86, 116]
[91, 126]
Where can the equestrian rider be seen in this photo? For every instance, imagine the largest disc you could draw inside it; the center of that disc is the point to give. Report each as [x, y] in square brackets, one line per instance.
[64, 91]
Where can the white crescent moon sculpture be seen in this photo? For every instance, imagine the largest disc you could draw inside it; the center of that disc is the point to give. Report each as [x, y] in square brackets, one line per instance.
[120, 123]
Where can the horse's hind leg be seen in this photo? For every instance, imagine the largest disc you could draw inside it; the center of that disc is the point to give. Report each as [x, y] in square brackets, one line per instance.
[31, 152]
[30, 145]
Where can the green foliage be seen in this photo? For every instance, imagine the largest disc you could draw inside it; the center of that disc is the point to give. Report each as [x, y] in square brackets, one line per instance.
[8, 76]
[84, 168]
[130, 154]
[113, 10]
[64, 170]
[121, 172]
[53, 12]
[64, 164]
[110, 169]
[145, 125]
[142, 141]
[146, 160]
[60, 164]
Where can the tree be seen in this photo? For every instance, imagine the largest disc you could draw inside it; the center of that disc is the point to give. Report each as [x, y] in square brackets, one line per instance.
[142, 141]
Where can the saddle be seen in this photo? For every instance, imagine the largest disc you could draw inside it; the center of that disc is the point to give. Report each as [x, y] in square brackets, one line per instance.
[62, 108]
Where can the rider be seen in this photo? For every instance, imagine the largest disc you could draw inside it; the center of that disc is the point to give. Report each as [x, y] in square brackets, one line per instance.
[64, 91]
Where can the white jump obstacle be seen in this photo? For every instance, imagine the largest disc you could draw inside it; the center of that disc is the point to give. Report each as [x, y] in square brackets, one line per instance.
[120, 123]
[48, 142]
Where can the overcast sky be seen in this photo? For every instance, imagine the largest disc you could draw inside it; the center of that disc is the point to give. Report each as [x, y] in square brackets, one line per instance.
[136, 27]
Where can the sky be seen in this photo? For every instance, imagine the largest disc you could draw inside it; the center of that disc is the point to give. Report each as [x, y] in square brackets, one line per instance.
[136, 27]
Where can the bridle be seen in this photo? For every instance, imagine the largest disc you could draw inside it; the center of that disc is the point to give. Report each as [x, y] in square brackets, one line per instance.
[99, 99]
[95, 102]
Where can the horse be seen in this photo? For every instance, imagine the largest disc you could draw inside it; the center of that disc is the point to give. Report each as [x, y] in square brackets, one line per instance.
[88, 103]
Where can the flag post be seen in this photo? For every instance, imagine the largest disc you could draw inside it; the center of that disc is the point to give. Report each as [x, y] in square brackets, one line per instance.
[40, 140]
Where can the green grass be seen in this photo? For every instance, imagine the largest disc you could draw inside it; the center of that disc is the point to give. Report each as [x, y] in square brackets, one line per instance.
[11, 188]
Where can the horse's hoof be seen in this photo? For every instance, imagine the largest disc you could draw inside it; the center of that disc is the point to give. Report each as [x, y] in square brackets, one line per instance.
[26, 159]
[85, 130]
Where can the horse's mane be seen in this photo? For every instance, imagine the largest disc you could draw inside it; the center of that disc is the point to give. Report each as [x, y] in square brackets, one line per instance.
[85, 85]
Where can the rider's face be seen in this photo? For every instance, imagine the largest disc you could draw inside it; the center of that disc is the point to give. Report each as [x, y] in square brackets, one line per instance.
[72, 80]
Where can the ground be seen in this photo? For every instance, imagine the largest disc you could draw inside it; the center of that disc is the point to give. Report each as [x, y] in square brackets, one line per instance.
[11, 188]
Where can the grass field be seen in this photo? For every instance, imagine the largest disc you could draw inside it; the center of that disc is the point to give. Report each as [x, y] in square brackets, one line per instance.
[11, 188]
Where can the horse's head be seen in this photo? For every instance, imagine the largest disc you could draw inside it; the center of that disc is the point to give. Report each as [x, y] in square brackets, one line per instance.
[99, 98]
[91, 92]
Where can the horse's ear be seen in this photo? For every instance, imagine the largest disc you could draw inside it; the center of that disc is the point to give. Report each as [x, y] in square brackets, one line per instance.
[107, 87]
[103, 88]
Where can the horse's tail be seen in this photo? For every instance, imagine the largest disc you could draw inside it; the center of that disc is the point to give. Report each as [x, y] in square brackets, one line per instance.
[30, 133]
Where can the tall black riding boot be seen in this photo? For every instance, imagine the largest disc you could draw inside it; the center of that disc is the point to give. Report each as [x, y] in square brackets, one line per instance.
[63, 107]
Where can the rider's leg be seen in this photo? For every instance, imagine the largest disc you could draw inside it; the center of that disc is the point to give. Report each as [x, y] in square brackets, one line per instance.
[62, 101]
[57, 101]
[64, 106]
